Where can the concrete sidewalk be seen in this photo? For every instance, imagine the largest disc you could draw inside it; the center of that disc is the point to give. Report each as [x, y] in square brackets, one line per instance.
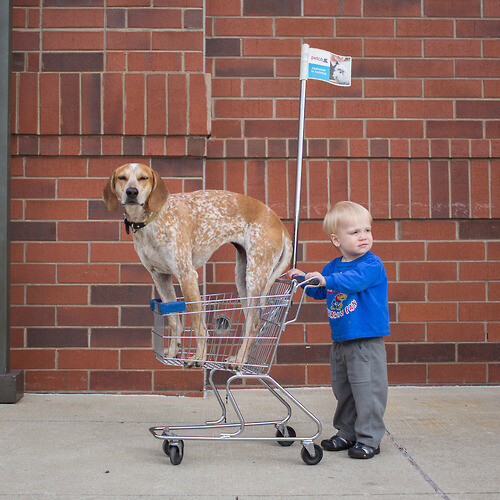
[441, 442]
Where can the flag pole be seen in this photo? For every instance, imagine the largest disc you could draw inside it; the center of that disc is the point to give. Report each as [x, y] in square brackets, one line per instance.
[300, 148]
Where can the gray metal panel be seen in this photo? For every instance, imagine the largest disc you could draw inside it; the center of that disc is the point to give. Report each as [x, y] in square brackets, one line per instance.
[10, 382]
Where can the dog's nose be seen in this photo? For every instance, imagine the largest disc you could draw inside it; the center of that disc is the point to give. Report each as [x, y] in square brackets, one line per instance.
[132, 192]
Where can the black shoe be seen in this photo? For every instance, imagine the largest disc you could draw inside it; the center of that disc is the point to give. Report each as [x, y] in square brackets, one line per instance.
[360, 450]
[336, 443]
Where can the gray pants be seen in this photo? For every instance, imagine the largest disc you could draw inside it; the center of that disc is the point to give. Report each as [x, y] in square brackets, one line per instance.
[359, 382]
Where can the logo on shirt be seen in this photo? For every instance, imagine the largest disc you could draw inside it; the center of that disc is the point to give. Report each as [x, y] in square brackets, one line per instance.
[337, 308]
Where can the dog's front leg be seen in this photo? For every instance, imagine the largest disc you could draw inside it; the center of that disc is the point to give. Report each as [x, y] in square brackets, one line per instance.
[166, 290]
[191, 292]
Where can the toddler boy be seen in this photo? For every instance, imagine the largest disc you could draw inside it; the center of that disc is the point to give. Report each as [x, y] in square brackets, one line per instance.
[355, 288]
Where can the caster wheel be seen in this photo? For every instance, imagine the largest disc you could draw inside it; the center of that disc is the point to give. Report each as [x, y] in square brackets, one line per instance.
[174, 451]
[312, 460]
[290, 432]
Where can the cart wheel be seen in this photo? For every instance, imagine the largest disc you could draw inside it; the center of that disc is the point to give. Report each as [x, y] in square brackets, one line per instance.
[174, 451]
[312, 460]
[291, 433]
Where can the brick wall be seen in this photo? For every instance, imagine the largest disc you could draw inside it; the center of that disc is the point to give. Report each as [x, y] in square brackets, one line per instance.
[97, 83]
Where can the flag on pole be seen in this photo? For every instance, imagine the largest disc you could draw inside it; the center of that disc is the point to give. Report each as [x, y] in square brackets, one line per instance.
[326, 66]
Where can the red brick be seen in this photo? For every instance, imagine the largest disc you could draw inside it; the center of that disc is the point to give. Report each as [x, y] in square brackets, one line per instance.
[178, 380]
[457, 373]
[400, 186]
[452, 8]
[49, 103]
[243, 26]
[88, 359]
[368, 27]
[407, 332]
[113, 103]
[452, 88]
[394, 128]
[391, 8]
[74, 40]
[393, 47]
[28, 103]
[479, 311]
[91, 103]
[87, 273]
[155, 18]
[199, 104]
[478, 28]
[456, 291]
[119, 381]
[426, 353]
[332, 8]
[55, 167]
[459, 180]
[32, 358]
[156, 104]
[379, 189]
[53, 209]
[493, 250]
[480, 351]
[51, 380]
[108, 252]
[72, 18]
[455, 250]
[259, 87]
[428, 271]
[425, 28]
[270, 47]
[116, 61]
[472, 68]
[455, 332]
[177, 40]
[177, 115]
[134, 104]
[233, 108]
[272, 8]
[25, 40]
[394, 88]
[479, 271]
[87, 316]
[32, 316]
[318, 375]
[154, 61]
[419, 311]
[399, 292]
[32, 273]
[358, 175]
[304, 27]
[56, 295]
[407, 374]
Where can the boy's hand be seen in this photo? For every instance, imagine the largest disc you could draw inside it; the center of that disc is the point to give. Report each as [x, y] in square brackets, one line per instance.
[294, 272]
[315, 274]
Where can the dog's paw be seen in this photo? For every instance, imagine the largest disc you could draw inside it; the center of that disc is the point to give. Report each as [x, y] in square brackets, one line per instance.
[235, 362]
[172, 351]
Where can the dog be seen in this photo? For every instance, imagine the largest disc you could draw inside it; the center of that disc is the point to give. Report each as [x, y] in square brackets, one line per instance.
[175, 234]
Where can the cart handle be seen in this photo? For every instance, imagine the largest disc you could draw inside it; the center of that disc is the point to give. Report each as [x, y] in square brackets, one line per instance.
[314, 281]
[310, 283]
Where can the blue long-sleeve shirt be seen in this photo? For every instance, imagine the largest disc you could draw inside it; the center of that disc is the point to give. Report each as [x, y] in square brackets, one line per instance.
[356, 297]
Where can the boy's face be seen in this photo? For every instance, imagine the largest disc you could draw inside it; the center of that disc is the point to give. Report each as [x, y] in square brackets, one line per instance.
[353, 239]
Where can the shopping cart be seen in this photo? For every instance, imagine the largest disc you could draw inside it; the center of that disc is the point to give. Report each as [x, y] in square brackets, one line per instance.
[224, 319]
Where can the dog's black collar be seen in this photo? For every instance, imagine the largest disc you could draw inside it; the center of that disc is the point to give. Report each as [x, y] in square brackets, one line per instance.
[137, 225]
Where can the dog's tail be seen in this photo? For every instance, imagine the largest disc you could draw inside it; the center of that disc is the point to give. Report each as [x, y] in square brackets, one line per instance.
[283, 262]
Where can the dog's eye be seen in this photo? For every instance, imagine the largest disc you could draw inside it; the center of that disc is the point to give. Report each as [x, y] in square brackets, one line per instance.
[122, 178]
[143, 178]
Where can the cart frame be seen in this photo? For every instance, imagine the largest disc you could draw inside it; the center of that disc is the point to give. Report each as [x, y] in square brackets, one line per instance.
[273, 312]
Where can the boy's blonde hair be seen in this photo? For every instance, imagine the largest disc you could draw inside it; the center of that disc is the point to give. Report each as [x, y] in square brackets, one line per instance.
[342, 212]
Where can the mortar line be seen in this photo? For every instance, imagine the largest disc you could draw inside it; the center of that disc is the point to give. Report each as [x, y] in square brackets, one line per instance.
[417, 467]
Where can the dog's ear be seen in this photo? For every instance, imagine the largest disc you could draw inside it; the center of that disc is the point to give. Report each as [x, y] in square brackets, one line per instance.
[109, 195]
[159, 193]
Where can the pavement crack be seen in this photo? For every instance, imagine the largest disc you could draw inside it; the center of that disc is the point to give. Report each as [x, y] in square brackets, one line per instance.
[417, 467]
